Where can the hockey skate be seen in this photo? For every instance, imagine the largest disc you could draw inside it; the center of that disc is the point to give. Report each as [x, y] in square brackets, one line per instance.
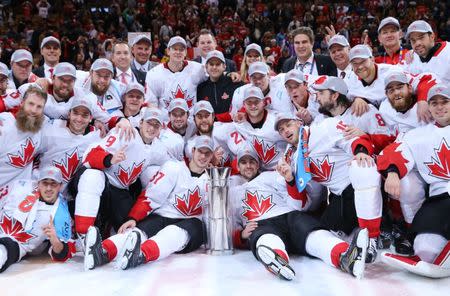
[401, 243]
[132, 255]
[94, 254]
[372, 250]
[275, 263]
[353, 261]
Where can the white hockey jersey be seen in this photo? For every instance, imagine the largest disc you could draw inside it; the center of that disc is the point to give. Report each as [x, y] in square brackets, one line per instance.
[111, 100]
[173, 193]
[266, 142]
[10, 100]
[23, 215]
[438, 64]
[138, 157]
[17, 150]
[163, 85]
[373, 92]
[426, 149]
[64, 149]
[264, 197]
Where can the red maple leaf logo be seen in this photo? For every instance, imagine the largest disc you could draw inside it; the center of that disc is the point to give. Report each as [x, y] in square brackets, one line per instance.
[439, 166]
[322, 170]
[24, 156]
[179, 93]
[68, 164]
[190, 205]
[14, 228]
[254, 206]
[265, 152]
[129, 176]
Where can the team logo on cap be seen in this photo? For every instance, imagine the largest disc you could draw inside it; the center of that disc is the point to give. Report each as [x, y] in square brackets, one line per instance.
[320, 80]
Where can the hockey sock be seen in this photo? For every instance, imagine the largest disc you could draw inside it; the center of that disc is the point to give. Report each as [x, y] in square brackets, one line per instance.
[324, 245]
[168, 240]
[396, 210]
[3, 255]
[87, 202]
[110, 248]
[429, 245]
[275, 243]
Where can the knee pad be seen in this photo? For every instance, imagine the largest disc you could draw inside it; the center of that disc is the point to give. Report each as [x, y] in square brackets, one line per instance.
[363, 177]
[428, 245]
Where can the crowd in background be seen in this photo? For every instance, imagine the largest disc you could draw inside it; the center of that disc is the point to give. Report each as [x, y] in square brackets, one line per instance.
[87, 29]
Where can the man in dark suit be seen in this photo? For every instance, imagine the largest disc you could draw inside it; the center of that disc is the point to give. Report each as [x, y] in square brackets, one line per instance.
[141, 48]
[206, 42]
[123, 72]
[305, 60]
[51, 52]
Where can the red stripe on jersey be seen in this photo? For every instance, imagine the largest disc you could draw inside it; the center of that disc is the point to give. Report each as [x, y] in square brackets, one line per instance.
[141, 208]
[71, 251]
[392, 157]
[95, 158]
[443, 45]
[444, 255]
[380, 141]
[426, 82]
[365, 142]
[295, 194]
[224, 117]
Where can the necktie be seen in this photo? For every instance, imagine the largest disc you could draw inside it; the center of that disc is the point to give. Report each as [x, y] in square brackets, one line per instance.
[302, 66]
[123, 79]
[51, 72]
[342, 75]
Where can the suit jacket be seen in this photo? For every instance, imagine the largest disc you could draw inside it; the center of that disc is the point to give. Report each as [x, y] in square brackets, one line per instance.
[39, 71]
[230, 64]
[324, 64]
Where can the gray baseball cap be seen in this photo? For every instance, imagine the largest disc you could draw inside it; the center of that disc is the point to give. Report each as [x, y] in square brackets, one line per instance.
[395, 76]
[21, 55]
[388, 21]
[283, 116]
[332, 83]
[215, 54]
[439, 89]
[418, 26]
[253, 46]
[49, 39]
[203, 105]
[247, 151]
[338, 39]
[258, 67]
[102, 63]
[141, 37]
[79, 101]
[153, 113]
[295, 75]
[176, 40]
[50, 172]
[253, 92]
[178, 103]
[135, 86]
[4, 69]
[204, 142]
[65, 69]
[360, 51]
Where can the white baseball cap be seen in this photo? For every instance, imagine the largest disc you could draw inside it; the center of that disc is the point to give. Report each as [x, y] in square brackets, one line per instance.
[50, 172]
[395, 76]
[258, 67]
[4, 69]
[253, 46]
[295, 75]
[215, 54]
[141, 37]
[102, 63]
[176, 40]
[418, 26]
[21, 55]
[282, 116]
[79, 101]
[49, 39]
[338, 39]
[247, 151]
[203, 105]
[388, 21]
[153, 113]
[204, 142]
[332, 83]
[253, 92]
[360, 51]
[135, 86]
[64, 68]
[439, 89]
[178, 103]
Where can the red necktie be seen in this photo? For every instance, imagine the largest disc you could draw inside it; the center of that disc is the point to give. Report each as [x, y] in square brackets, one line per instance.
[51, 72]
[123, 79]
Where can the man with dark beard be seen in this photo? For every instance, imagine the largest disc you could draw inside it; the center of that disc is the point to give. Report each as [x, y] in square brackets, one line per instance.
[20, 137]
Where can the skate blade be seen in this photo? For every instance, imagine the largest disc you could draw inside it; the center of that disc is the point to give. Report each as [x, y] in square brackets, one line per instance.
[362, 242]
[127, 249]
[90, 239]
[268, 257]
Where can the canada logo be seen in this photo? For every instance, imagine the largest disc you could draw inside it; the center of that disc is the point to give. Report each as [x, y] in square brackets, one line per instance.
[190, 204]
[68, 164]
[179, 93]
[255, 206]
[321, 170]
[24, 156]
[128, 176]
[14, 228]
[439, 166]
[266, 153]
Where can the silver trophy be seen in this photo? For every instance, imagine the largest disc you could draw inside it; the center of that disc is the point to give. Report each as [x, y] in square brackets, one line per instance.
[218, 213]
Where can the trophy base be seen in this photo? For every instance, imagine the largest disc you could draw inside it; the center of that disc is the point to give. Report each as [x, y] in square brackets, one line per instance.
[219, 252]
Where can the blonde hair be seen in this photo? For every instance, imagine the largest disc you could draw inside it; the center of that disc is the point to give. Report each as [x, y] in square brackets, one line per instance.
[244, 69]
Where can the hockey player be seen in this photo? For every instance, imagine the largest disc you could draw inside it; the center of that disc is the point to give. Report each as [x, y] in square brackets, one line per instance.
[65, 141]
[355, 195]
[32, 218]
[20, 138]
[257, 129]
[268, 209]
[133, 101]
[9, 98]
[176, 79]
[430, 156]
[179, 121]
[110, 170]
[225, 137]
[429, 55]
[165, 219]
